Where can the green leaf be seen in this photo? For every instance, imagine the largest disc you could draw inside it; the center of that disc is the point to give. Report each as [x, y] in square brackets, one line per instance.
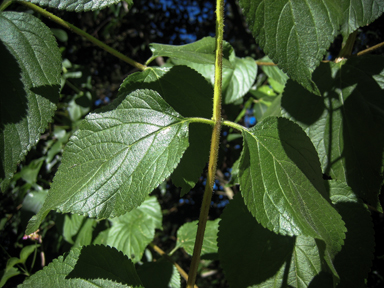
[282, 186]
[186, 236]
[8, 273]
[33, 201]
[294, 34]
[72, 224]
[29, 80]
[117, 158]
[273, 72]
[91, 266]
[26, 251]
[133, 231]
[359, 13]
[201, 51]
[79, 226]
[344, 121]
[75, 5]
[190, 95]
[159, 274]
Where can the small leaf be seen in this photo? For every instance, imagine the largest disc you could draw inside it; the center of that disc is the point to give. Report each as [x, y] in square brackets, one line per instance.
[186, 236]
[26, 251]
[117, 158]
[91, 266]
[133, 231]
[159, 274]
[294, 34]
[201, 51]
[29, 80]
[282, 186]
[76, 5]
[33, 201]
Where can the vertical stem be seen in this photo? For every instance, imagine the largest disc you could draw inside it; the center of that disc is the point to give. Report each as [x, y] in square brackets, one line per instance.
[215, 141]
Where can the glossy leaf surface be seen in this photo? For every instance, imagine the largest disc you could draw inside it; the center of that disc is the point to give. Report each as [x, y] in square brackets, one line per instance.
[343, 122]
[294, 34]
[117, 158]
[29, 79]
[282, 186]
[75, 5]
[91, 266]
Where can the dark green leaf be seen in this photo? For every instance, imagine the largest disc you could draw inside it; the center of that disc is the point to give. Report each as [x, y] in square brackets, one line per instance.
[91, 266]
[29, 80]
[344, 121]
[117, 158]
[201, 51]
[282, 186]
[159, 274]
[190, 95]
[75, 5]
[294, 34]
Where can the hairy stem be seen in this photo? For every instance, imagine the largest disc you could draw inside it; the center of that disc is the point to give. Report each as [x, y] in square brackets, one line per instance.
[84, 34]
[215, 141]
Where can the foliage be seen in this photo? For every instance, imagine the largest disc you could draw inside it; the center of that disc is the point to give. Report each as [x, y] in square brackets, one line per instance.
[307, 172]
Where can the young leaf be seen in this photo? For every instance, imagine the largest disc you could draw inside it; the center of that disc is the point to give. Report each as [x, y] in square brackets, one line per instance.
[201, 51]
[29, 80]
[91, 266]
[344, 121]
[359, 13]
[189, 94]
[186, 236]
[76, 5]
[282, 186]
[117, 158]
[133, 231]
[294, 34]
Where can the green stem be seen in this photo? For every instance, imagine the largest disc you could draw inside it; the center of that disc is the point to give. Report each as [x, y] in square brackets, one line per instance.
[201, 120]
[80, 32]
[235, 126]
[215, 141]
[5, 4]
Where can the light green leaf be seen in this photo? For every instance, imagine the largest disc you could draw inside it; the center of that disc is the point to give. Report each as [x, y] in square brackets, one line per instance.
[344, 121]
[26, 251]
[75, 5]
[190, 95]
[294, 34]
[186, 236]
[117, 158]
[159, 274]
[79, 226]
[358, 13]
[9, 273]
[29, 80]
[273, 72]
[33, 201]
[72, 224]
[91, 266]
[133, 231]
[201, 51]
[282, 186]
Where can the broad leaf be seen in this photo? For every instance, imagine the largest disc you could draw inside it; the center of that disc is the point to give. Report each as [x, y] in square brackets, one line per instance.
[186, 236]
[358, 13]
[190, 95]
[159, 274]
[91, 266]
[80, 227]
[273, 72]
[294, 34]
[29, 80]
[133, 231]
[282, 186]
[343, 122]
[117, 158]
[75, 5]
[201, 51]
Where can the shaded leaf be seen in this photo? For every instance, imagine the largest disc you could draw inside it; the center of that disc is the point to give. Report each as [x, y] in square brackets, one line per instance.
[117, 158]
[159, 274]
[30, 80]
[75, 5]
[282, 186]
[343, 122]
[294, 34]
[273, 72]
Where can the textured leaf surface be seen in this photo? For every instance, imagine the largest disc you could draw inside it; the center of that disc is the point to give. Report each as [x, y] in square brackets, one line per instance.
[357, 13]
[190, 95]
[344, 121]
[117, 158]
[201, 51]
[75, 5]
[133, 231]
[91, 266]
[159, 274]
[29, 79]
[186, 236]
[282, 186]
[294, 34]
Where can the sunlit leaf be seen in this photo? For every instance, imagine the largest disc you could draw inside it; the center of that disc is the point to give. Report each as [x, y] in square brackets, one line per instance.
[75, 5]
